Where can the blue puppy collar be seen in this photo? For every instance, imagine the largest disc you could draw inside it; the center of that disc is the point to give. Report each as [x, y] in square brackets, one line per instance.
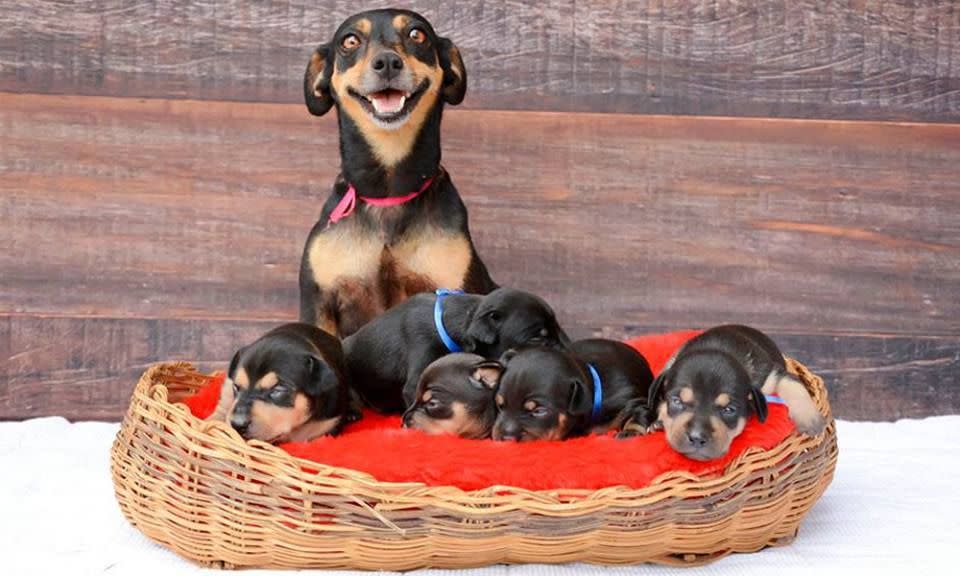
[438, 319]
[597, 392]
[774, 399]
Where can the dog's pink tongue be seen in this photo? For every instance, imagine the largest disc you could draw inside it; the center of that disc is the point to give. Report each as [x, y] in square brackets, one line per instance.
[388, 101]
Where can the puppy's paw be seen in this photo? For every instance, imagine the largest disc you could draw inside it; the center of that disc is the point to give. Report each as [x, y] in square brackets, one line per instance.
[810, 423]
[634, 428]
[353, 414]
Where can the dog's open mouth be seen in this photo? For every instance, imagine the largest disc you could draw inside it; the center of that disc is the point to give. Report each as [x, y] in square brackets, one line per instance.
[390, 106]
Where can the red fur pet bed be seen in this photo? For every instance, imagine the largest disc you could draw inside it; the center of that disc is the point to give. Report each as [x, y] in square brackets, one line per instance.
[378, 446]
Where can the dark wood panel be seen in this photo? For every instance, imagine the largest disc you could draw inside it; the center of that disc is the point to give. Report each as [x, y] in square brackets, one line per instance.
[85, 368]
[178, 209]
[865, 59]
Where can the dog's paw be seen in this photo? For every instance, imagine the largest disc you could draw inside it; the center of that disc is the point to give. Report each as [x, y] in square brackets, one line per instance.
[353, 414]
[811, 424]
[634, 428]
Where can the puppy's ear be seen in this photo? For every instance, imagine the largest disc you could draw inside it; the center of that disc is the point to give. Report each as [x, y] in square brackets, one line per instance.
[581, 401]
[322, 377]
[316, 81]
[234, 363]
[759, 405]
[454, 72]
[507, 356]
[486, 374]
[482, 330]
[656, 388]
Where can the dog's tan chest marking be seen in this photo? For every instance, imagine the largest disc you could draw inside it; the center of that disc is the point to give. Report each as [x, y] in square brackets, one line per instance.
[442, 258]
[344, 252]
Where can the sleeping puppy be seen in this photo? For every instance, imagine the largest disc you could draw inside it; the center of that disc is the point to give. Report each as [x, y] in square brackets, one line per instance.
[549, 394]
[288, 386]
[455, 396]
[386, 357]
[713, 384]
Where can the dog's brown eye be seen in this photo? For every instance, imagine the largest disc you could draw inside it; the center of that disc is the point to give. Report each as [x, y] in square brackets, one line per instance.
[676, 402]
[417, 35]
[728, 410]
[544, 332]
[539, 412]
[350, 42]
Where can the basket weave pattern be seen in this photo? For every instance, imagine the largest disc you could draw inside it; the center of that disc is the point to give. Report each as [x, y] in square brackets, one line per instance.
[197, 488]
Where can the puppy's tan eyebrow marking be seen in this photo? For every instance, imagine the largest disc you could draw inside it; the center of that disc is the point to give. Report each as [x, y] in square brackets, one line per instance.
[686, 394]
[722, 400]
[267, 381]
[529, 405]
[427, 396]
[241, 379]
[500, 400]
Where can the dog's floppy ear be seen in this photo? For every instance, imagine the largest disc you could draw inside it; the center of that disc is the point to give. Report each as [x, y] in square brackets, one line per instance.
[316, 81]
[656, 388]
[454, 73]
[234, 363]
[581, 402]
[322, 377]
[759, 405]
[482, 330]
[486, 374]
[507, 356]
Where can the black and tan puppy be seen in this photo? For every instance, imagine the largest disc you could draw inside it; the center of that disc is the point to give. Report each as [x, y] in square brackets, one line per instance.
[386, 357]
[288, 386]
[455, 396]
[713, 384]
[394, 224]
[549, 394]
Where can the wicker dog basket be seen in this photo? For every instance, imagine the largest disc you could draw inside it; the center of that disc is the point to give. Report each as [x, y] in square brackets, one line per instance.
[197, 488]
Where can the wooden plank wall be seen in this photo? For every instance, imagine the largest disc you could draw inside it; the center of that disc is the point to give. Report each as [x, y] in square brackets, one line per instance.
[158, 179]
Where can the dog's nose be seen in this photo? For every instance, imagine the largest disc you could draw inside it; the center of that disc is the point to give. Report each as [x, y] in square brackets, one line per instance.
[697, 438]
[242, 426]
[510, 432]
[387, 64]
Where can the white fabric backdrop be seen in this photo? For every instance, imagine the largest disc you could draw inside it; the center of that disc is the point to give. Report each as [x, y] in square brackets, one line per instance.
[893, 507]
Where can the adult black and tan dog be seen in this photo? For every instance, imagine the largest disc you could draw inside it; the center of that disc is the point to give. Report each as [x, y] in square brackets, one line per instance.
[394, 224]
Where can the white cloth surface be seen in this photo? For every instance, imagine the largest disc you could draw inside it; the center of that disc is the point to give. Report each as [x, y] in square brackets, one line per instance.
[893, 507]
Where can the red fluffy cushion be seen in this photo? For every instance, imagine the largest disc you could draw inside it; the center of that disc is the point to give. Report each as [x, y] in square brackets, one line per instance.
[378, 446]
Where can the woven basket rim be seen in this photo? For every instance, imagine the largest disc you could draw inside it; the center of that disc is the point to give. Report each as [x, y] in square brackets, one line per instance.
[151, 389]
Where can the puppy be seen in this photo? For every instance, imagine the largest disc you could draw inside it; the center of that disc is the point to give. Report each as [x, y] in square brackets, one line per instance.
[394, 224]
[549, 394]
[288, 386]
[386, 357]
[455, 396]
[713, 384]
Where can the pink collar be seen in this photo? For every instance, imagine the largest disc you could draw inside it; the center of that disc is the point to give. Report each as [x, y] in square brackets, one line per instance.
[348, 203]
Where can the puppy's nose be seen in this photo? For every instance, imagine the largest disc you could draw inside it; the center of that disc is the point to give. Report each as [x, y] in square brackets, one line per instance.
[242, 426]
[697, 438]
[387, 64]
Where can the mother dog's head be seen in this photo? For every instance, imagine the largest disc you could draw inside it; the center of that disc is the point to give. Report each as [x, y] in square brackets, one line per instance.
[387, 72]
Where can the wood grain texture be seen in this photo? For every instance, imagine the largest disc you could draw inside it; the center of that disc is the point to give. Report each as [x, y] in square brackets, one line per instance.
[855, 59]
[142, 230]
[86, 368]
